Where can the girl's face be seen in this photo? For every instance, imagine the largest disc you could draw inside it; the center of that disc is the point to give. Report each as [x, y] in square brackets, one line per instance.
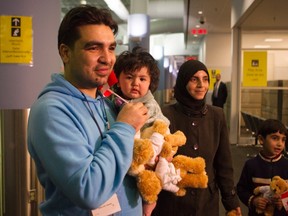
[198, 85]
[273, 144]
[134, 85]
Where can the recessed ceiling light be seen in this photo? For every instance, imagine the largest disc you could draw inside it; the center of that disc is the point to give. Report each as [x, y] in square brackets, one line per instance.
[200, 12]
[273, 39]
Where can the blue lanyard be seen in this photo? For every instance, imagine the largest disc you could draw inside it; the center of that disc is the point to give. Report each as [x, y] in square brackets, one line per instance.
[92, 113]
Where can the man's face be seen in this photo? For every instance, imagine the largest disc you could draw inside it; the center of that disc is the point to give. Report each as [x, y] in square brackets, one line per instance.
[89, 63]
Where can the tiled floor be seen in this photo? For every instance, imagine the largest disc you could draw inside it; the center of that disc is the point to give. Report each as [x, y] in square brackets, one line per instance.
[240, 154]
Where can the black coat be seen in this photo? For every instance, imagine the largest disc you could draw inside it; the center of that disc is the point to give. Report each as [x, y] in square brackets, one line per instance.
[221, 98]
[207, 136]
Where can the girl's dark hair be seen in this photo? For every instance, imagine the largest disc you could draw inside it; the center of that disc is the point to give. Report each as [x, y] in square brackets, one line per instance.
[128, 62]
[83, 15]
[270, 126]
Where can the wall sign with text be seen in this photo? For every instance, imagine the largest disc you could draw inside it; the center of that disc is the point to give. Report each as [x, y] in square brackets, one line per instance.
[255, 69]
[16, 40]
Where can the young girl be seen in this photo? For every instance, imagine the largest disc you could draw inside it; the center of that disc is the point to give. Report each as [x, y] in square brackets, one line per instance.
[268, 163]
[138, 77]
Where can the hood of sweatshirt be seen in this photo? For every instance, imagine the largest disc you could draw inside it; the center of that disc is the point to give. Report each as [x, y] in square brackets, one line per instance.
[60, 84]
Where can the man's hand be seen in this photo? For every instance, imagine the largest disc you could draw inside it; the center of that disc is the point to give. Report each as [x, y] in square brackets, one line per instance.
[135, 114]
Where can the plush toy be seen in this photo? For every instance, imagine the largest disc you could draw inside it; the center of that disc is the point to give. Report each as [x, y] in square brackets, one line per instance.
[232, 213]
[143, 146]
[277, 186]
[153, 166]
[192, 172]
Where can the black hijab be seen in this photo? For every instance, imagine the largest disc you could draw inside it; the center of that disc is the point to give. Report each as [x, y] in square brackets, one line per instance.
[186, 71]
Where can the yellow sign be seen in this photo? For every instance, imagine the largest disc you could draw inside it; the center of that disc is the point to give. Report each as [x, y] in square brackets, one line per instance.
[16, 40]
[212, 76]
[255, 69]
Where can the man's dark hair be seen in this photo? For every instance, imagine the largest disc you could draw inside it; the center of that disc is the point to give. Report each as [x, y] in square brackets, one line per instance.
[128, 62]
[83, 15]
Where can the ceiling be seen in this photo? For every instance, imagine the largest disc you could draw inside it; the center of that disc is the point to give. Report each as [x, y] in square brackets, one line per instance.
[265, 16]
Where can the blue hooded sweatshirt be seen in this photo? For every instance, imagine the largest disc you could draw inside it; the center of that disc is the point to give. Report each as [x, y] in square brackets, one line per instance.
[79, 168]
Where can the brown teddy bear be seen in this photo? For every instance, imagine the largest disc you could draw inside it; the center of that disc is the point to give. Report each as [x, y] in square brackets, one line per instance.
[140, 160]
[192, 172]
[277, 186]
[152, 163]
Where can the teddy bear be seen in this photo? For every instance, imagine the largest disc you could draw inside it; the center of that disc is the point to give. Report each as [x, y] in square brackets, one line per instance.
[277, 186]
[150, 144]
[232, 213]
[153, 166]
[192, 173]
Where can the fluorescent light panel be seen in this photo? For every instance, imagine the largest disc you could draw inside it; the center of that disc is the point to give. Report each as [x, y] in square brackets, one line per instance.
[273, 40]
[262, 46]
[118, 8]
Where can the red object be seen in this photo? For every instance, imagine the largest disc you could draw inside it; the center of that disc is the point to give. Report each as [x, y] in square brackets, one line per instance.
[284, 198]
[112, 80]
[191, 58]
[199, 31]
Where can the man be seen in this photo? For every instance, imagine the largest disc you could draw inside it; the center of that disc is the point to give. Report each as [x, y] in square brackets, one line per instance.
[81, 150]
[220, 93]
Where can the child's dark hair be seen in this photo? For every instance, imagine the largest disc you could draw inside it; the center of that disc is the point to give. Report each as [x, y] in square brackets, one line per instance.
[128, 62]
[270, 126]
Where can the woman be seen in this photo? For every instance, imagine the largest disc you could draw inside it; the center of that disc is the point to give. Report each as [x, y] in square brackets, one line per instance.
[207, 136]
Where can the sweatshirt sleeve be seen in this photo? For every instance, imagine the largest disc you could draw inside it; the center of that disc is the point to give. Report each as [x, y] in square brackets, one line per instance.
[71, 157]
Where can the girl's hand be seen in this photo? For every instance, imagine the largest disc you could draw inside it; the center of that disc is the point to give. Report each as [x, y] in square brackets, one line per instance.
[148, 208]
[276, 200]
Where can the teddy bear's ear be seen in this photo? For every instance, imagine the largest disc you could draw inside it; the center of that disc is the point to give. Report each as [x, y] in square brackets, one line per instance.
[160, 126]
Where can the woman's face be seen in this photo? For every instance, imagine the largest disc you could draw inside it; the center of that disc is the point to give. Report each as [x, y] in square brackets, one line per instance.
[198, 85]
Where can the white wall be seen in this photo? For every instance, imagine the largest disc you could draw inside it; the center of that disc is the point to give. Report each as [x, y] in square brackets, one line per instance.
[218, 54]
[20, 84]
[277, 65]
[173, 44]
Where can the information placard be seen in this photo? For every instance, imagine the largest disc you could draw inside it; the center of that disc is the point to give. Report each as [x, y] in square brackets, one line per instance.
[255, 69]
[16, 38]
